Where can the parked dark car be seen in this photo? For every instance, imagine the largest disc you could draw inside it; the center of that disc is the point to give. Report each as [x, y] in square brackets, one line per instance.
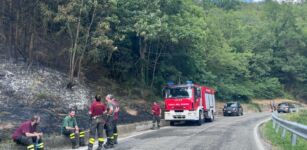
[286, 107]
[232, 108]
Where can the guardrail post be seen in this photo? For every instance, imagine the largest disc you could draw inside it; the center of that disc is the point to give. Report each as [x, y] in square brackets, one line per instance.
[277, 128]
[274, 124]
[283, 135]
[293, 141]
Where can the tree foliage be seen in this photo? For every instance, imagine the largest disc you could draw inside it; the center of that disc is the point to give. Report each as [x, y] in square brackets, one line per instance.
[243, 50]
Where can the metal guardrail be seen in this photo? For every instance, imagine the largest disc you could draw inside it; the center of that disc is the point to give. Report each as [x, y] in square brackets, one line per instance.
[294, 128]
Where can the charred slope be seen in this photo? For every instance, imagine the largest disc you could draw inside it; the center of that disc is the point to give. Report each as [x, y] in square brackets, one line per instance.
[25, 91]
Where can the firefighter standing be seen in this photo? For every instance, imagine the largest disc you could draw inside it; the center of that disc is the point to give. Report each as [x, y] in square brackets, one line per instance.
[156, 114]
[96, 112]
[109, 122]
[28, 135]
[116, 116]
[70, 129]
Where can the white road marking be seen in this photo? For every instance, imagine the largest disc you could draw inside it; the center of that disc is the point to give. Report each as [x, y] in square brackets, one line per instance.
[256, 134]
[140, 133]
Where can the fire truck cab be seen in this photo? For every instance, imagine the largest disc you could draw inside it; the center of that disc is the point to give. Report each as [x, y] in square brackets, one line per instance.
[189, 102]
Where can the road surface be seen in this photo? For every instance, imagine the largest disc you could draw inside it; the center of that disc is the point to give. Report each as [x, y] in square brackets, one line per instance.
[225, 133]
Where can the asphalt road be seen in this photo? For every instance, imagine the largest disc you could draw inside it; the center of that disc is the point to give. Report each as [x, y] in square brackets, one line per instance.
[225, 133]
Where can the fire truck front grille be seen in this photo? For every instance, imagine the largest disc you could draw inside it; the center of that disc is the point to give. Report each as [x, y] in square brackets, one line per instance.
[179, 116]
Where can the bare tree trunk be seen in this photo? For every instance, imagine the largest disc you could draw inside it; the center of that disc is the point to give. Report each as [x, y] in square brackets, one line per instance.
[31, 45]
[158, 55]
[142, 50]
[86, 41]
[74, 48]
[2, 25]
[16, 29]
[11, 30]
[147, 63]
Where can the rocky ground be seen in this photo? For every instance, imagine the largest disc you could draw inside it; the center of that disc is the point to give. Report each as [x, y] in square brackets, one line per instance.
[25, 91]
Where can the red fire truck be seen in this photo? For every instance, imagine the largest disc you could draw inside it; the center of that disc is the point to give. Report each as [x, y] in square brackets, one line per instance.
[189, 102]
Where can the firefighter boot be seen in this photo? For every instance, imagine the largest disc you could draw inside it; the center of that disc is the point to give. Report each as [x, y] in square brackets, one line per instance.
[90, 147]
[74, 144]
[81, 142]
[115, 138]
[109, 144]
[158, 126]
[40, 146]
[91, 142]
[81, 138]
[99, 146]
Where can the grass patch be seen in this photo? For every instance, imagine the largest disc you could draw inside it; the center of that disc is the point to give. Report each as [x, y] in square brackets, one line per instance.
[299, 117]
[254, 106]
[43, 95]
[277, 141]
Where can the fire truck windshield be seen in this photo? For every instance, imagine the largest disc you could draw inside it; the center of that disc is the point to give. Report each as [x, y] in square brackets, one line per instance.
[178, 92]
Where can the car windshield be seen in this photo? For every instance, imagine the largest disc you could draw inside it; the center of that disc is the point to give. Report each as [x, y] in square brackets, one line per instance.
[282, 104]
[231, 105]
[178, 92]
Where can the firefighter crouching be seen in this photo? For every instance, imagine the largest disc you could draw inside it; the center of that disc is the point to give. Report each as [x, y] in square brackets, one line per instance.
[115, 119]
[109, 122]
[27, 134]
[156, 115]
[70, 129]
[96, 112]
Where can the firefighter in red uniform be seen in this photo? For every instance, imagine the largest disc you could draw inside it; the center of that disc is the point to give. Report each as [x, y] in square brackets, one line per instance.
[115, 121]
[96, 112]
[156, 114]
[27, 134]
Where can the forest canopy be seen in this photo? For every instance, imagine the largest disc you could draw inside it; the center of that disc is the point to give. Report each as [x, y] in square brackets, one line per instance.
[243, 50]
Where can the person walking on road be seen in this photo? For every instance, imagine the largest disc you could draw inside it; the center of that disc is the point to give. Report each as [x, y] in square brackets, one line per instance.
[27, 134]
[96, 113]
[156, 115]
[109, 122]
[70, 129]
[115, 119]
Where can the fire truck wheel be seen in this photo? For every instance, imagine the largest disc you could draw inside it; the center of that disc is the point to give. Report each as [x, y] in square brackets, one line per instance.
[172, 123]
[211, 117]
[200, 120]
